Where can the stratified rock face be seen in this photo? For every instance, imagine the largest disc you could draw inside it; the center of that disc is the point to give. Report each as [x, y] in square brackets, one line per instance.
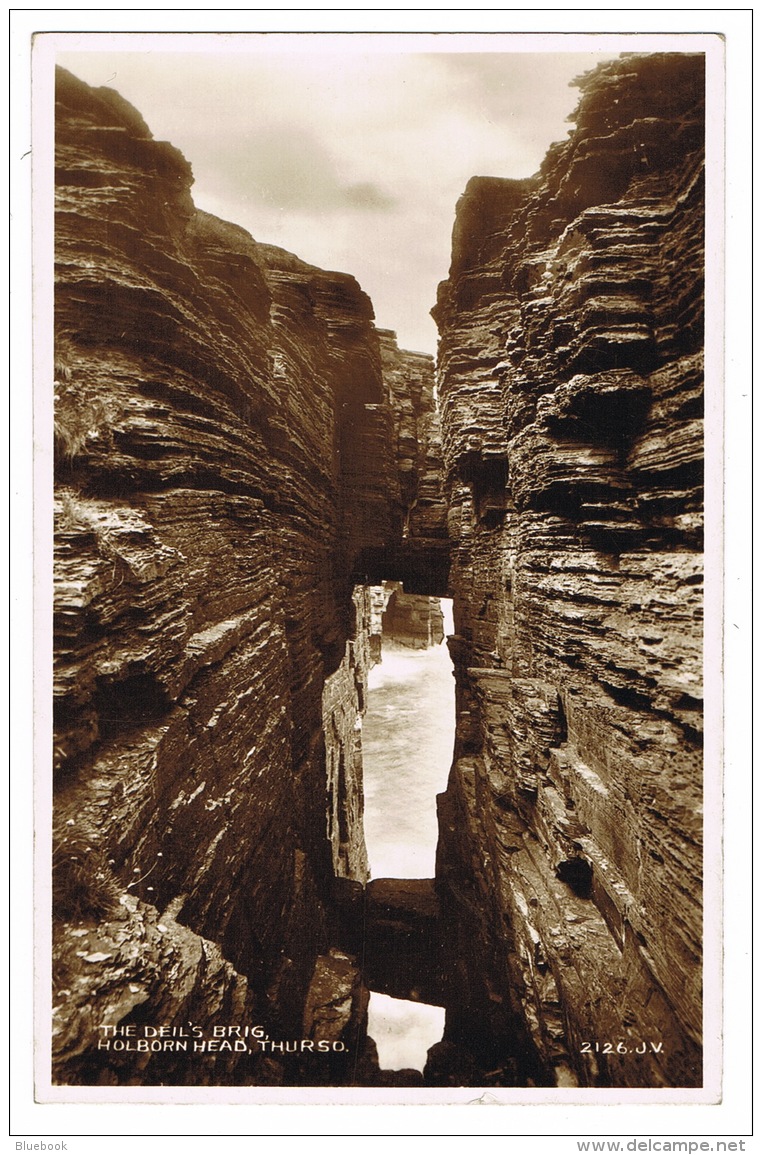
[422, 559]
[403, 619]
[571, 383]
[344, 697]
[137, 984]
[412, 620]
[225, 455]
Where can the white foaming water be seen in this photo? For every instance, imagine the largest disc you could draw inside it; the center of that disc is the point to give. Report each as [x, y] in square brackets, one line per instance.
[407, 737]
[403, 1031]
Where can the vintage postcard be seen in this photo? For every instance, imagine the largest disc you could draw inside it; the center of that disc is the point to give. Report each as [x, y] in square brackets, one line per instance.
[374, 763]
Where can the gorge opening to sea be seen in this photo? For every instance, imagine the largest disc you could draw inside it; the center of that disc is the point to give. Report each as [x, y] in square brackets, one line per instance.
[408, 735]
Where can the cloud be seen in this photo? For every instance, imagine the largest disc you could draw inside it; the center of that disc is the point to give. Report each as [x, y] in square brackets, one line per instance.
[529, 96]
[369, 196]
[286, 167]
[354, 160]
[519, 83]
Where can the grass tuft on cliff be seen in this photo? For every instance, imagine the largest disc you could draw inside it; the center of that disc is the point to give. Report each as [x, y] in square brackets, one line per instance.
[83, 885]
[80, 413]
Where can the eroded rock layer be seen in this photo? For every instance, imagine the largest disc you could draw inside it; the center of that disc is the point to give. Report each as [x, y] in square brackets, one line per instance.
[411, 620]
[571, 332]
[226, 453]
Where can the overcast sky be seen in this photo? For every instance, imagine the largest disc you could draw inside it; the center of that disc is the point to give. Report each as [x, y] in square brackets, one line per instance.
[352, 159]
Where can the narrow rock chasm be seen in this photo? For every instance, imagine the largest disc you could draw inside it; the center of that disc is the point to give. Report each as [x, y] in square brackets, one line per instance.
[249, 475]
[408, 732]
[407, 737]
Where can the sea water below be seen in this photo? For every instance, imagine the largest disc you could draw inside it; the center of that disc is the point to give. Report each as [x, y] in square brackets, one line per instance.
[403, 1031]
[407, 738]
[408, 734]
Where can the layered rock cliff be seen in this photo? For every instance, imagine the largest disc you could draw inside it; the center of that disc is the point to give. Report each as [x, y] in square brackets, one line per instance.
[242, 459]
[571, 383]
[226, 453]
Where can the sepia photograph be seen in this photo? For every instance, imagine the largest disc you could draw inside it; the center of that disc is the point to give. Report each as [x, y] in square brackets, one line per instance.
[376, 768]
